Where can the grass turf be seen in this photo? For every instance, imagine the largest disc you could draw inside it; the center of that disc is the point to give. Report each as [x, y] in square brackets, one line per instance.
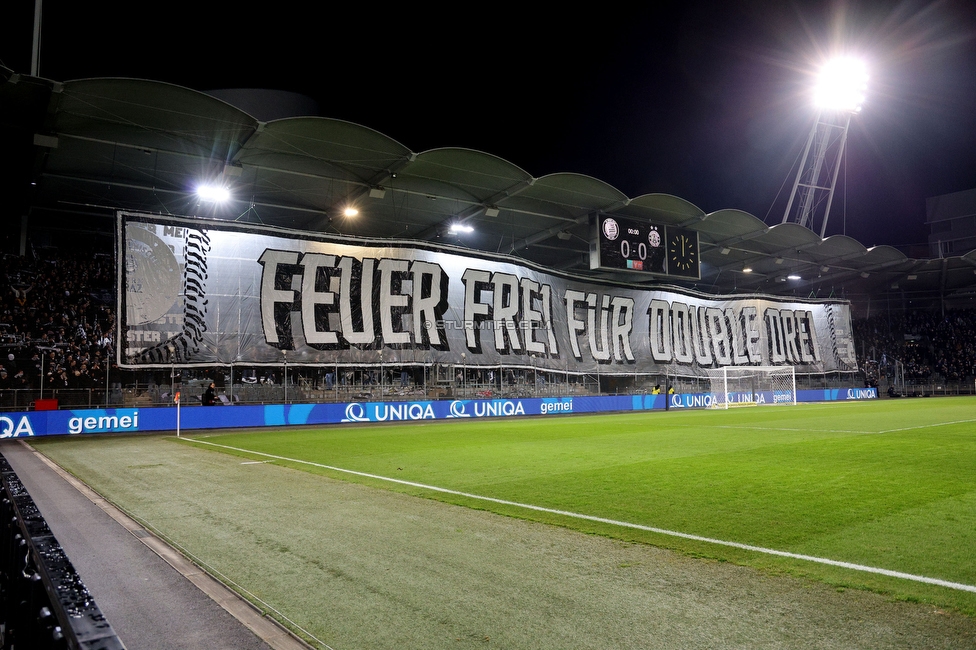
[888, 484]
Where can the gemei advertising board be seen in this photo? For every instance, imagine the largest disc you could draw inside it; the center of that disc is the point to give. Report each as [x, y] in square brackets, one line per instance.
[204, 293]
[149, 419]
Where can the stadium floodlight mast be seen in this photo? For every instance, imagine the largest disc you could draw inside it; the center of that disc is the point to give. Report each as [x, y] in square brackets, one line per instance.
[839, 93]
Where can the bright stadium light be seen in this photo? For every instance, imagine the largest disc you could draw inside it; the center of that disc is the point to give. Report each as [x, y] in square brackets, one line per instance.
[350, 212]
[460, 227]
[841, 85]
[839, 94]
[213, 193]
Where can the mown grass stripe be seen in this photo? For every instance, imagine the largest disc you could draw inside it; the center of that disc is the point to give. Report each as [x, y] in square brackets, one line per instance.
[613, 522]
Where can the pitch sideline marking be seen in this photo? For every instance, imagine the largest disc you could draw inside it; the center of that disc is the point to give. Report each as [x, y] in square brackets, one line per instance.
[614, 522]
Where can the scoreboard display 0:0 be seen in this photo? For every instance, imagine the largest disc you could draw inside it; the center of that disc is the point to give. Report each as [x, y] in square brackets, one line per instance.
[631, 245]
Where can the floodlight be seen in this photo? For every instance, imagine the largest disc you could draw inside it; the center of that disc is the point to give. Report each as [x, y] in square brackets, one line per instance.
[460, 227]
[350, 212]
[839, 94]
[213, 193]
[793, 276]
[841, 85]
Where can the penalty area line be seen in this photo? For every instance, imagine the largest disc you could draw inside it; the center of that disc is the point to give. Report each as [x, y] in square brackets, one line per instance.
[613, 522]
[931, 425]
[793, 429]
[928, 426]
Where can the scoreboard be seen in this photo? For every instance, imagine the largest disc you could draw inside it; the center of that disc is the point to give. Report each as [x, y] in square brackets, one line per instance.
[618, 243]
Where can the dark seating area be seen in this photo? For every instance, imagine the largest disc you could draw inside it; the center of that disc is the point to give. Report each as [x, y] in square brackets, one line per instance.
[57, 323]
[924, 346]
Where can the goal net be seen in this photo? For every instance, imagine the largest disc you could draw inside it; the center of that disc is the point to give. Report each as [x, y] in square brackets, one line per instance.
[752, 385]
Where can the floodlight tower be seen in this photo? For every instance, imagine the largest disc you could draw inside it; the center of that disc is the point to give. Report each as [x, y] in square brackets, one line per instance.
[838, 96]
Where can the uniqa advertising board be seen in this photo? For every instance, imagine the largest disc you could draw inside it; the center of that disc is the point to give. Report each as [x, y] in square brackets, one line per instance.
[149, 419]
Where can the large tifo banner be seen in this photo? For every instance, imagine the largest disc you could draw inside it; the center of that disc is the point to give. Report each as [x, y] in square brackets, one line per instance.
[208, 293]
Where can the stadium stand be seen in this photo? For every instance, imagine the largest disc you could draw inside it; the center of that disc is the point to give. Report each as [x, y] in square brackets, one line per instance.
[57, 329]
[920, 351]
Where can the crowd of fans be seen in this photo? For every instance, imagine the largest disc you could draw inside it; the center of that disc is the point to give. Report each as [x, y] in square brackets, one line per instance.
[56, 321]
[929, 345]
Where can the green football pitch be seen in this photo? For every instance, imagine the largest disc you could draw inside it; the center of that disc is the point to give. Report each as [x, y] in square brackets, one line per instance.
[878, 495]
[338, 532]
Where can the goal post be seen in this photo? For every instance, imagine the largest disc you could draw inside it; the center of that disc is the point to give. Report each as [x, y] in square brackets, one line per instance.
[732, 386]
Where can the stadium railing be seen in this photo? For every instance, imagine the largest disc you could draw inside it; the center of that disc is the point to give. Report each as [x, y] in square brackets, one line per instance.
[930, 388]
[304, 390]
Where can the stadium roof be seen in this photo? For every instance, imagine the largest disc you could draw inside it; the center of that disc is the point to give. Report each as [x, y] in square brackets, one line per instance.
[93, 146]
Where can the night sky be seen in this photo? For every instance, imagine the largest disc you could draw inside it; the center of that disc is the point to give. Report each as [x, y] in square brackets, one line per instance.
[706, 101]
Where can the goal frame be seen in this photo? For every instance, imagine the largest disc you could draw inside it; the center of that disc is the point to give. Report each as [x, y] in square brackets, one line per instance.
[732, 386]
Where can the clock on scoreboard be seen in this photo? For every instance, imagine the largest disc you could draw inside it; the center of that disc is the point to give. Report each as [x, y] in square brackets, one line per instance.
[630, 245]
[683, 253]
